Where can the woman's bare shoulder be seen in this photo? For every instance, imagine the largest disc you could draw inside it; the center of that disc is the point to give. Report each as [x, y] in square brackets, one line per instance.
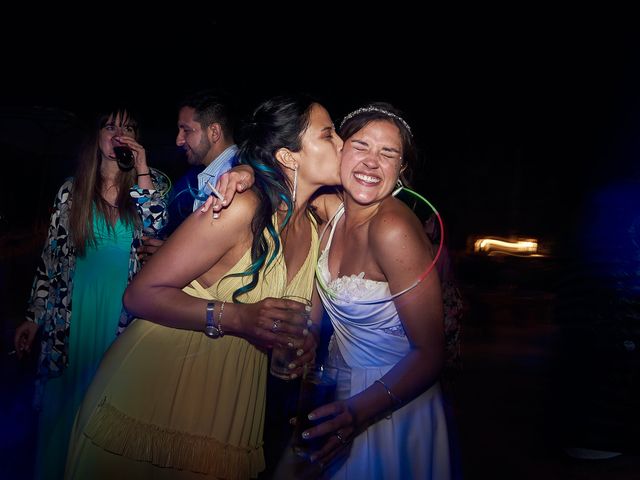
[237, 215]
[395, 224]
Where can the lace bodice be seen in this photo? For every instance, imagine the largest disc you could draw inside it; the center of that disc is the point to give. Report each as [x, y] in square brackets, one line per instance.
[351, 287]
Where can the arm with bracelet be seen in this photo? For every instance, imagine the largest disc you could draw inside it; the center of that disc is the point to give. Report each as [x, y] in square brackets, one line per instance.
[420, 310]
[382, 294]
[198, 250]
[190, 370]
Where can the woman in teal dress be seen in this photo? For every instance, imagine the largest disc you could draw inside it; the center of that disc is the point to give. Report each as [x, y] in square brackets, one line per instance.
[88, 259]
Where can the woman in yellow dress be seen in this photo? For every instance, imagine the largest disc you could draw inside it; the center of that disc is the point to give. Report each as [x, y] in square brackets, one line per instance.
[171, 401]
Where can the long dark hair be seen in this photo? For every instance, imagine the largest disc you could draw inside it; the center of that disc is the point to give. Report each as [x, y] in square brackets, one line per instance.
[88, 183]
[277, 123]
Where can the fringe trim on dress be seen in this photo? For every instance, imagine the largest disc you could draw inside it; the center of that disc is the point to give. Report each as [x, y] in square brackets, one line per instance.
[118, 433]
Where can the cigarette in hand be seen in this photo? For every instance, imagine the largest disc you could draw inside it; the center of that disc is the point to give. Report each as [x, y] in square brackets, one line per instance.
[215, 192]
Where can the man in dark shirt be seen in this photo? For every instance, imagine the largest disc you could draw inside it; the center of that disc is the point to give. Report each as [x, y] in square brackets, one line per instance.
[205, 134]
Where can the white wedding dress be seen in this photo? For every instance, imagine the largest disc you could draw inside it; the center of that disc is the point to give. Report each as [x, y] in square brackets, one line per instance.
[368, 340]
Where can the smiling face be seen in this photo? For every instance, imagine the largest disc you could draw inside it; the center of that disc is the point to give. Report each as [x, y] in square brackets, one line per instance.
[371, 162]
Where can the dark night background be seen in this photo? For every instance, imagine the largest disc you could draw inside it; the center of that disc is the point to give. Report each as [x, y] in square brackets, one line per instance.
[516, 117]
[519, 115]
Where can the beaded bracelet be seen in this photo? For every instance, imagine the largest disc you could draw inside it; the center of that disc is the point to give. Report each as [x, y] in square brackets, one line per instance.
[220, 319]
[143, 174]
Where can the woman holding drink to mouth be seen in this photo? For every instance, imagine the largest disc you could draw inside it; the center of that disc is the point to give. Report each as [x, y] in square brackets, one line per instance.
[89, 256]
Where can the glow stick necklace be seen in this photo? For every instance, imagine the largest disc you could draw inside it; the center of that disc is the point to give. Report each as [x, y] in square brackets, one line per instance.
[163, 178]
[335, 296]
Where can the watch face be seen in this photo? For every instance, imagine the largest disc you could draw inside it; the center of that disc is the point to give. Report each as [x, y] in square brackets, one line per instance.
[211, 331]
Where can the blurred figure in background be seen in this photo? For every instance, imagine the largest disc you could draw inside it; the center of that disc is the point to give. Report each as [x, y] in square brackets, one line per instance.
[453, 306]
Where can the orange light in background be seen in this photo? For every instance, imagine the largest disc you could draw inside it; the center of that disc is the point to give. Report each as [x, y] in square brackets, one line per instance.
[503, 246]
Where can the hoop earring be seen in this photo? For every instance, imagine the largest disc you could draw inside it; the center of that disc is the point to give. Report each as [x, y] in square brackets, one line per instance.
[295, 185]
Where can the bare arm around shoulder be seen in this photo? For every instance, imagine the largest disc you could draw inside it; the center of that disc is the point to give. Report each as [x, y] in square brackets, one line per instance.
[205, 250]
[241, 178]
[326, 202]
[238, 179]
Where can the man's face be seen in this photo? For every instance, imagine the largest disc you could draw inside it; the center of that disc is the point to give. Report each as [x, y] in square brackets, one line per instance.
[191, 138]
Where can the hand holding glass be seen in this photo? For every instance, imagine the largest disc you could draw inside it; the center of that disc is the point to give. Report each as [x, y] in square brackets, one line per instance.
[282, 357]
[318, 387]
[124, 156]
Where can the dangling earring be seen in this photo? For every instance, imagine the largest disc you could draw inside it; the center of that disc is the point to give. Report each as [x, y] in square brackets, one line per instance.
[295, 184]
[399, 183]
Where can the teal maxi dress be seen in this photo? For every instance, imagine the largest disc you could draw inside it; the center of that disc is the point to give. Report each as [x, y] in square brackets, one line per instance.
[99, 282]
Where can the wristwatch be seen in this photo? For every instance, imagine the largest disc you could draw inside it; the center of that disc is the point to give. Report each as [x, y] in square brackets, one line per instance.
[211, 330]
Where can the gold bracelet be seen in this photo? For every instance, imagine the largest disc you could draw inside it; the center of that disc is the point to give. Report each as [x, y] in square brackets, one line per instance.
[220, 319]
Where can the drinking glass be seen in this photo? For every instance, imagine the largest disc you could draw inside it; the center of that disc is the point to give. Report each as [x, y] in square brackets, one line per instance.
[281, 357]
[318, 387]
[124, 156]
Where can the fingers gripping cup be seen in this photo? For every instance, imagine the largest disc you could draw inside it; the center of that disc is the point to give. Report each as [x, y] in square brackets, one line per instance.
[281, 357]
[124, 157]
[318, 387]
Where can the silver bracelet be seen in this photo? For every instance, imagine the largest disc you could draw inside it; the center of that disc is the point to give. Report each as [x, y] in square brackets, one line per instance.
[395, 400]
[220, 319]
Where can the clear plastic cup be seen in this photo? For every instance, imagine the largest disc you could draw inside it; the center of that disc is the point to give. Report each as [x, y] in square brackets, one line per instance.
[281, 357]
[318, 387]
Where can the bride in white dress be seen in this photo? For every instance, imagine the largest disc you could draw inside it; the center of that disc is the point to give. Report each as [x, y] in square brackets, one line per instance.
[388, 421]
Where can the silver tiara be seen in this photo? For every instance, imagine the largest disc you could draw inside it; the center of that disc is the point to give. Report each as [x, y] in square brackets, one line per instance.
[379, 110]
